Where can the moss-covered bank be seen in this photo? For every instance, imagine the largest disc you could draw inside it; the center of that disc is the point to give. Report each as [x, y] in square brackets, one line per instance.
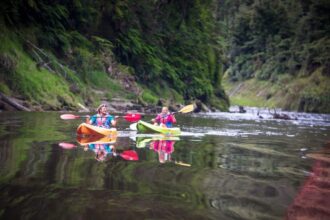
[58, 55]
[305, 93]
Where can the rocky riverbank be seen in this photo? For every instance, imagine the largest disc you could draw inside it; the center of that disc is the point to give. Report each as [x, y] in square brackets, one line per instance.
[115, 105]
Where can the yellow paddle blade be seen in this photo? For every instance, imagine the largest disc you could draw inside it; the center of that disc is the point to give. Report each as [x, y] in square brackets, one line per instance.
[188, 108]
[182, 163]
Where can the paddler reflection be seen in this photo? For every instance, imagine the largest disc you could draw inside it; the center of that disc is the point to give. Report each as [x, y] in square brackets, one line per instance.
[102, 151]
[163, 146]
[164, 149]
[104, 147]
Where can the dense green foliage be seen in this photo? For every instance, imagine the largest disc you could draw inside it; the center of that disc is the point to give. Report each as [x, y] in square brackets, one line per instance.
[176, 50]
[166, 44]
[162, 43]
[269, 39]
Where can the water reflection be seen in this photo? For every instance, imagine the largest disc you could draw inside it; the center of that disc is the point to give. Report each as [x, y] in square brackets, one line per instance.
[102, 151]
[312, 200]
[162, 146]
[240, 169]
[164, 149]
[103, 147]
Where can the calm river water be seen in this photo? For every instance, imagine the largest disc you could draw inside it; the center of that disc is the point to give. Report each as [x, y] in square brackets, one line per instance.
[223, 166]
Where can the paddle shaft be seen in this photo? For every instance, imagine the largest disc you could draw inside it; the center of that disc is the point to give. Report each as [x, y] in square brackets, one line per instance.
[185, 109]
[128, 117]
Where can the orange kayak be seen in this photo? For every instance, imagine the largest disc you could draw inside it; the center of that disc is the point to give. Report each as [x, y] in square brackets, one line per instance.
[87, 129]
[96, 140]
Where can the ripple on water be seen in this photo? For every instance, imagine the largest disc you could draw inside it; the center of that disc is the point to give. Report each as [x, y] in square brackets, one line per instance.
[254, 114]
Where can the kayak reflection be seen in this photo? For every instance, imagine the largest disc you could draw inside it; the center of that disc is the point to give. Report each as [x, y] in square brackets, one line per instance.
[103, 147]
[163, 146]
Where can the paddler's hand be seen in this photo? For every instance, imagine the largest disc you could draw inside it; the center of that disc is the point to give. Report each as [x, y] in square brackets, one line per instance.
[87, 119]
[114, 122]
[154, 121]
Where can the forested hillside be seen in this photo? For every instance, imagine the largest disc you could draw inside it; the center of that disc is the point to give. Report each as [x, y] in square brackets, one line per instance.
[278, 53]
[60, 53]
[56, 54]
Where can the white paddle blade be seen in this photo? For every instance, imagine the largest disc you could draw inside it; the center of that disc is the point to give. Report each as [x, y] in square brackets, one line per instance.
[133, 127]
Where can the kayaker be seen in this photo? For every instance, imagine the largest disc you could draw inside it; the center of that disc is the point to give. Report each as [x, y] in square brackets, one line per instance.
[102, 118]
[165, 118]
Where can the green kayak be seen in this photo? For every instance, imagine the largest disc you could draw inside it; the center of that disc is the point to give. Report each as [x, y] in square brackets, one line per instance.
[145, 127]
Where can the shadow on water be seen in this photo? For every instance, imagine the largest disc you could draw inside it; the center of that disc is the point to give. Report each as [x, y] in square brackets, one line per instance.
[220, 168]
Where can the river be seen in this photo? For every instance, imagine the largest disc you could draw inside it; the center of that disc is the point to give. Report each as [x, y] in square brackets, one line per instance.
[223, 166]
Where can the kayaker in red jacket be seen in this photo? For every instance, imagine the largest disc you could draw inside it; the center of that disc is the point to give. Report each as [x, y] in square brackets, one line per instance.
[102, 118]
[165, 118]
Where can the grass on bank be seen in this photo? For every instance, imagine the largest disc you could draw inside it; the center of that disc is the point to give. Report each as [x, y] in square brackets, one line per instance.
[20, 76]
[304, 93]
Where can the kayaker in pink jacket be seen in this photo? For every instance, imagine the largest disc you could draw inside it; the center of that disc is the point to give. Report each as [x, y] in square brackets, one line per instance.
[165, 118]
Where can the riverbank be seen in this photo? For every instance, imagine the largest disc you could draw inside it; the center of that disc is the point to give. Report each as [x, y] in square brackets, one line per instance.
[114, 105]
[34, 77]
[304, 93]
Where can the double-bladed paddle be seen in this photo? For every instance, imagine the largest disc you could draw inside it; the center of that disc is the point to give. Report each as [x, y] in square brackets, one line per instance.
[131, 117]
[185, 109]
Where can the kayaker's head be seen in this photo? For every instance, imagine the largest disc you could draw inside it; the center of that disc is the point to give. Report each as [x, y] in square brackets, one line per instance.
[102, 109]
[101, 156]
[164, 110]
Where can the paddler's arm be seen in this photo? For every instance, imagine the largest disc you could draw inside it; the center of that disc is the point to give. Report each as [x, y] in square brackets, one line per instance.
[114, 121]
[91, 120]
[173, 118]
[88, 121]
[156, 120]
